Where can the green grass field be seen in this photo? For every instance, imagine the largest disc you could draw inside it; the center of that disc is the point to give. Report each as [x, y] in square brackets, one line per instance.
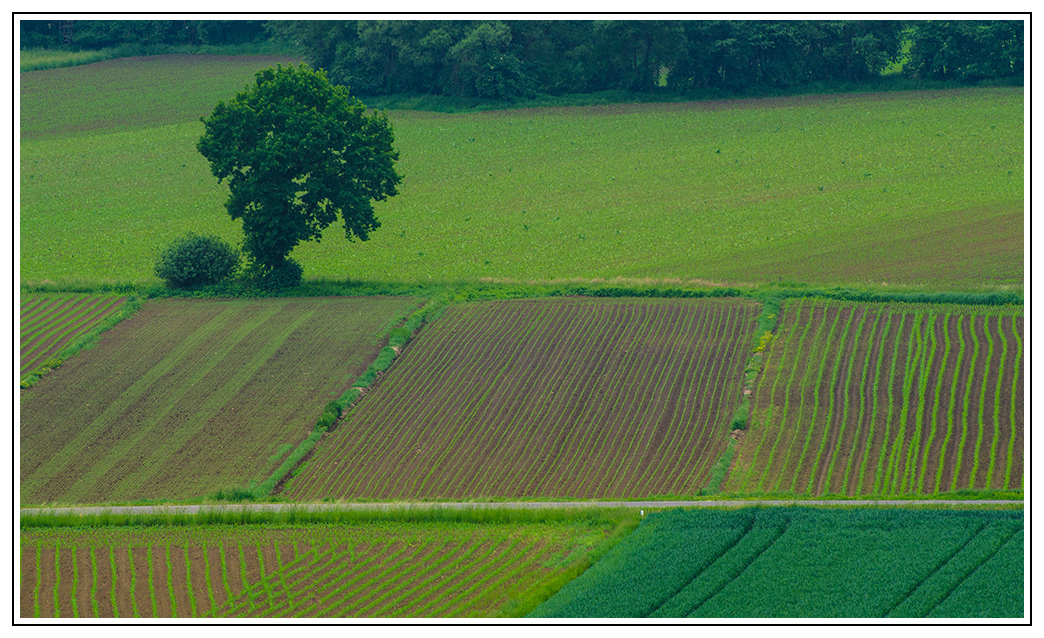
[911, 188]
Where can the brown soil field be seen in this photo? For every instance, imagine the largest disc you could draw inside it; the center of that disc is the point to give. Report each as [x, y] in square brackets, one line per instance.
[49, 323]
[581, 398]
[889, 415]
[191, 396]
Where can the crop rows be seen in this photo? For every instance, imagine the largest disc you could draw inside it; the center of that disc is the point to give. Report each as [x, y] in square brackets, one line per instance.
[361, 570]
[190, 396]
[806, 563]
[887, 399]
[49, 323]
[548, 397]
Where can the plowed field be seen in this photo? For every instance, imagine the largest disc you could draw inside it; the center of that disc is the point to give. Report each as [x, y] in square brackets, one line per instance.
[316, 571]
[887, 400]
[191, 396]
[581, 398]
[50, 322]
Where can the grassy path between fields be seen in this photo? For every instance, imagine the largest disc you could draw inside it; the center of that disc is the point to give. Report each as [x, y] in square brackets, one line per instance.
[316, 507]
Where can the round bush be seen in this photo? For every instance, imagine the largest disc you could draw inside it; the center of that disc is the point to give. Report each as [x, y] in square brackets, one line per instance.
[196, 260]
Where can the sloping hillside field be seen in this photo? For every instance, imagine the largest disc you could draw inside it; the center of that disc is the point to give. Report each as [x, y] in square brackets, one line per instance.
[48, 323]
[191, 396]
[887, 399]
[582, 398]
[379, 569]
[910, 187]
[806, 563]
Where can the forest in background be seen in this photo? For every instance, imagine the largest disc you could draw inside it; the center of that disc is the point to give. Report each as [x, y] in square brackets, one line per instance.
[513, 60]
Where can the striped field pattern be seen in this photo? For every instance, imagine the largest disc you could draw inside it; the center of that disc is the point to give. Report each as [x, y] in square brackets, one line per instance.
[191, 396]
[887, 399]
[806, 563]
[50, 322]
[418, 569]
[553, 397]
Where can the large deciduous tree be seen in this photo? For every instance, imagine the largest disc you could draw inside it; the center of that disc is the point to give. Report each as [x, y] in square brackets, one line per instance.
[298, 151]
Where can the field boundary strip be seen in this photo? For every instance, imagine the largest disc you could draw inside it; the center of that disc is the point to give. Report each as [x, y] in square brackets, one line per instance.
[471, 505]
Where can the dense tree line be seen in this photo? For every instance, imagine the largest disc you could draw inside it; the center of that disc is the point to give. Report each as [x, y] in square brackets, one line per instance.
[520, 58]
[513, 59]
[99, 34]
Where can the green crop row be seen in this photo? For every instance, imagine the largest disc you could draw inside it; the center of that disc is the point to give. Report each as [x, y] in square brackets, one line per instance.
[55, 327]
[204, 366]
[803, 563]
[423, 568]
[888, 399]
[531, 411]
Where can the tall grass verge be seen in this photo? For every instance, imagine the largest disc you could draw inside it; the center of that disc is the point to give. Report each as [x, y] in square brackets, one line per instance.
[310, 515]
[721, 469]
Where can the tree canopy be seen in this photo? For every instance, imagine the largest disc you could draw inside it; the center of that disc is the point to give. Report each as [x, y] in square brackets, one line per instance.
[510, 60]
[298, 152]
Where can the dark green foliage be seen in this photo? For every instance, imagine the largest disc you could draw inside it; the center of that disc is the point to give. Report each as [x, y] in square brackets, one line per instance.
[509, 60]
[739, 418]
[96, 34]
[196, 260]
[486, 65]
[298, 153]
[967, 50]
[331, 413]
[286, 274]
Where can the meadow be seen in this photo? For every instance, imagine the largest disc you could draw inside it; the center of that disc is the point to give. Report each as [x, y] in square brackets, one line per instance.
[806, 563]
[168, 394]
[419, 565]
[887, 400]
[746, 191]
[545, 398]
